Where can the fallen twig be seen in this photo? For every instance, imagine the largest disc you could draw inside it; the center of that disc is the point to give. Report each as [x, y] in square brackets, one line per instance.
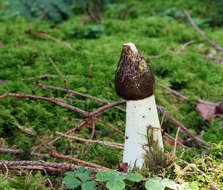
[92, 115]
[68, 132]
[90, 14]
[166, 135]
[183, 129]
[20, 151]
[45, 86]
[109, 125]
[187, 44]
[49, 181]
[54, 39]
[54, 154]
[102, 109]
[122, 14]
[41, 165]
[193, 166]
[155, 56]
[93, 129]
[176, 140]
[50, 100]
[177, 94]
[186, 99]
[216, 59]
[213, 44]
[98, 13]
[213, 187]
[46, 76]
[58, 71]
[11, 151]
[106, 143]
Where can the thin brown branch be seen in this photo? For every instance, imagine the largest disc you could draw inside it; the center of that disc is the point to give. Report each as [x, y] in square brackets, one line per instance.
[175, 93]
[109, 125]
[218, 60]
[47, 76]
[65, 44]
[97, 10]
[99, 111]
[213, 44]
[187, 44]
[193, 166]
[213, 187]
[93, 129]
[186, 99]
[41, 165]
[122, 14]
[102, 109]
[50, 100]
[58, 71]
[11, 151]
[91, 116]
[183, 129]
[80, 125]
[90, 14]
[106, 143]
[49, 181]
[20, 152]
[54, 154]
[155, 56]
[176, 140]
[44, 13]
[45, 86]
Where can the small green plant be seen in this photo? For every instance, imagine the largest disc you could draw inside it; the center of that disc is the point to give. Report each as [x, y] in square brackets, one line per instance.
[89, 32]
[190, 186]
[161, 184]
[56, 10]
[79, 178]
[173, 13]
[117, 181]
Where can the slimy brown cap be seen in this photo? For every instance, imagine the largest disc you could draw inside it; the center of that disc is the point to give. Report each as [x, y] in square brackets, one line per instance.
[134, 79]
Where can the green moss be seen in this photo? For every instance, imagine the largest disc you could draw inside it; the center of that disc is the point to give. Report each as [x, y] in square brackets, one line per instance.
[23, 58]
[35, 182]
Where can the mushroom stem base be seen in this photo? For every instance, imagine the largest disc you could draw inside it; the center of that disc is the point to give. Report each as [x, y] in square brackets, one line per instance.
[140, 115]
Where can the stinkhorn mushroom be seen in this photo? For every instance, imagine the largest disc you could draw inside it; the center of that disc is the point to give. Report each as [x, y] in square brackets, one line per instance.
[134, 81]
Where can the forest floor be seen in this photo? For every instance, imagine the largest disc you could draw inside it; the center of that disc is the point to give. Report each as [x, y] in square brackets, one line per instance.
[86, 54]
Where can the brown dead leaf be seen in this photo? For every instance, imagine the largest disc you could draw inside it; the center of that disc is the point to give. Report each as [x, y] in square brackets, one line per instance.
[209, 110]
[206, 111]
[1, 44]
[122, 167]
[3, 81]
[170, 142]
[29, 32]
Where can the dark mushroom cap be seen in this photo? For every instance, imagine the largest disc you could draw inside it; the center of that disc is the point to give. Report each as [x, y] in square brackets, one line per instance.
[134, 79]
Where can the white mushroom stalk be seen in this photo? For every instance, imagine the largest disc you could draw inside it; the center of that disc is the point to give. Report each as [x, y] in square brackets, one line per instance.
[134, 82]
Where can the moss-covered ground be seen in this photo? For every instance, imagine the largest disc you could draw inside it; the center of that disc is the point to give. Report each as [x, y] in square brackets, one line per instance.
[90, 68]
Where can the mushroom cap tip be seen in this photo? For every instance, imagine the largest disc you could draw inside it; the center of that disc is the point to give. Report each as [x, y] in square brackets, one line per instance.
[132, 46]
[134, 79]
